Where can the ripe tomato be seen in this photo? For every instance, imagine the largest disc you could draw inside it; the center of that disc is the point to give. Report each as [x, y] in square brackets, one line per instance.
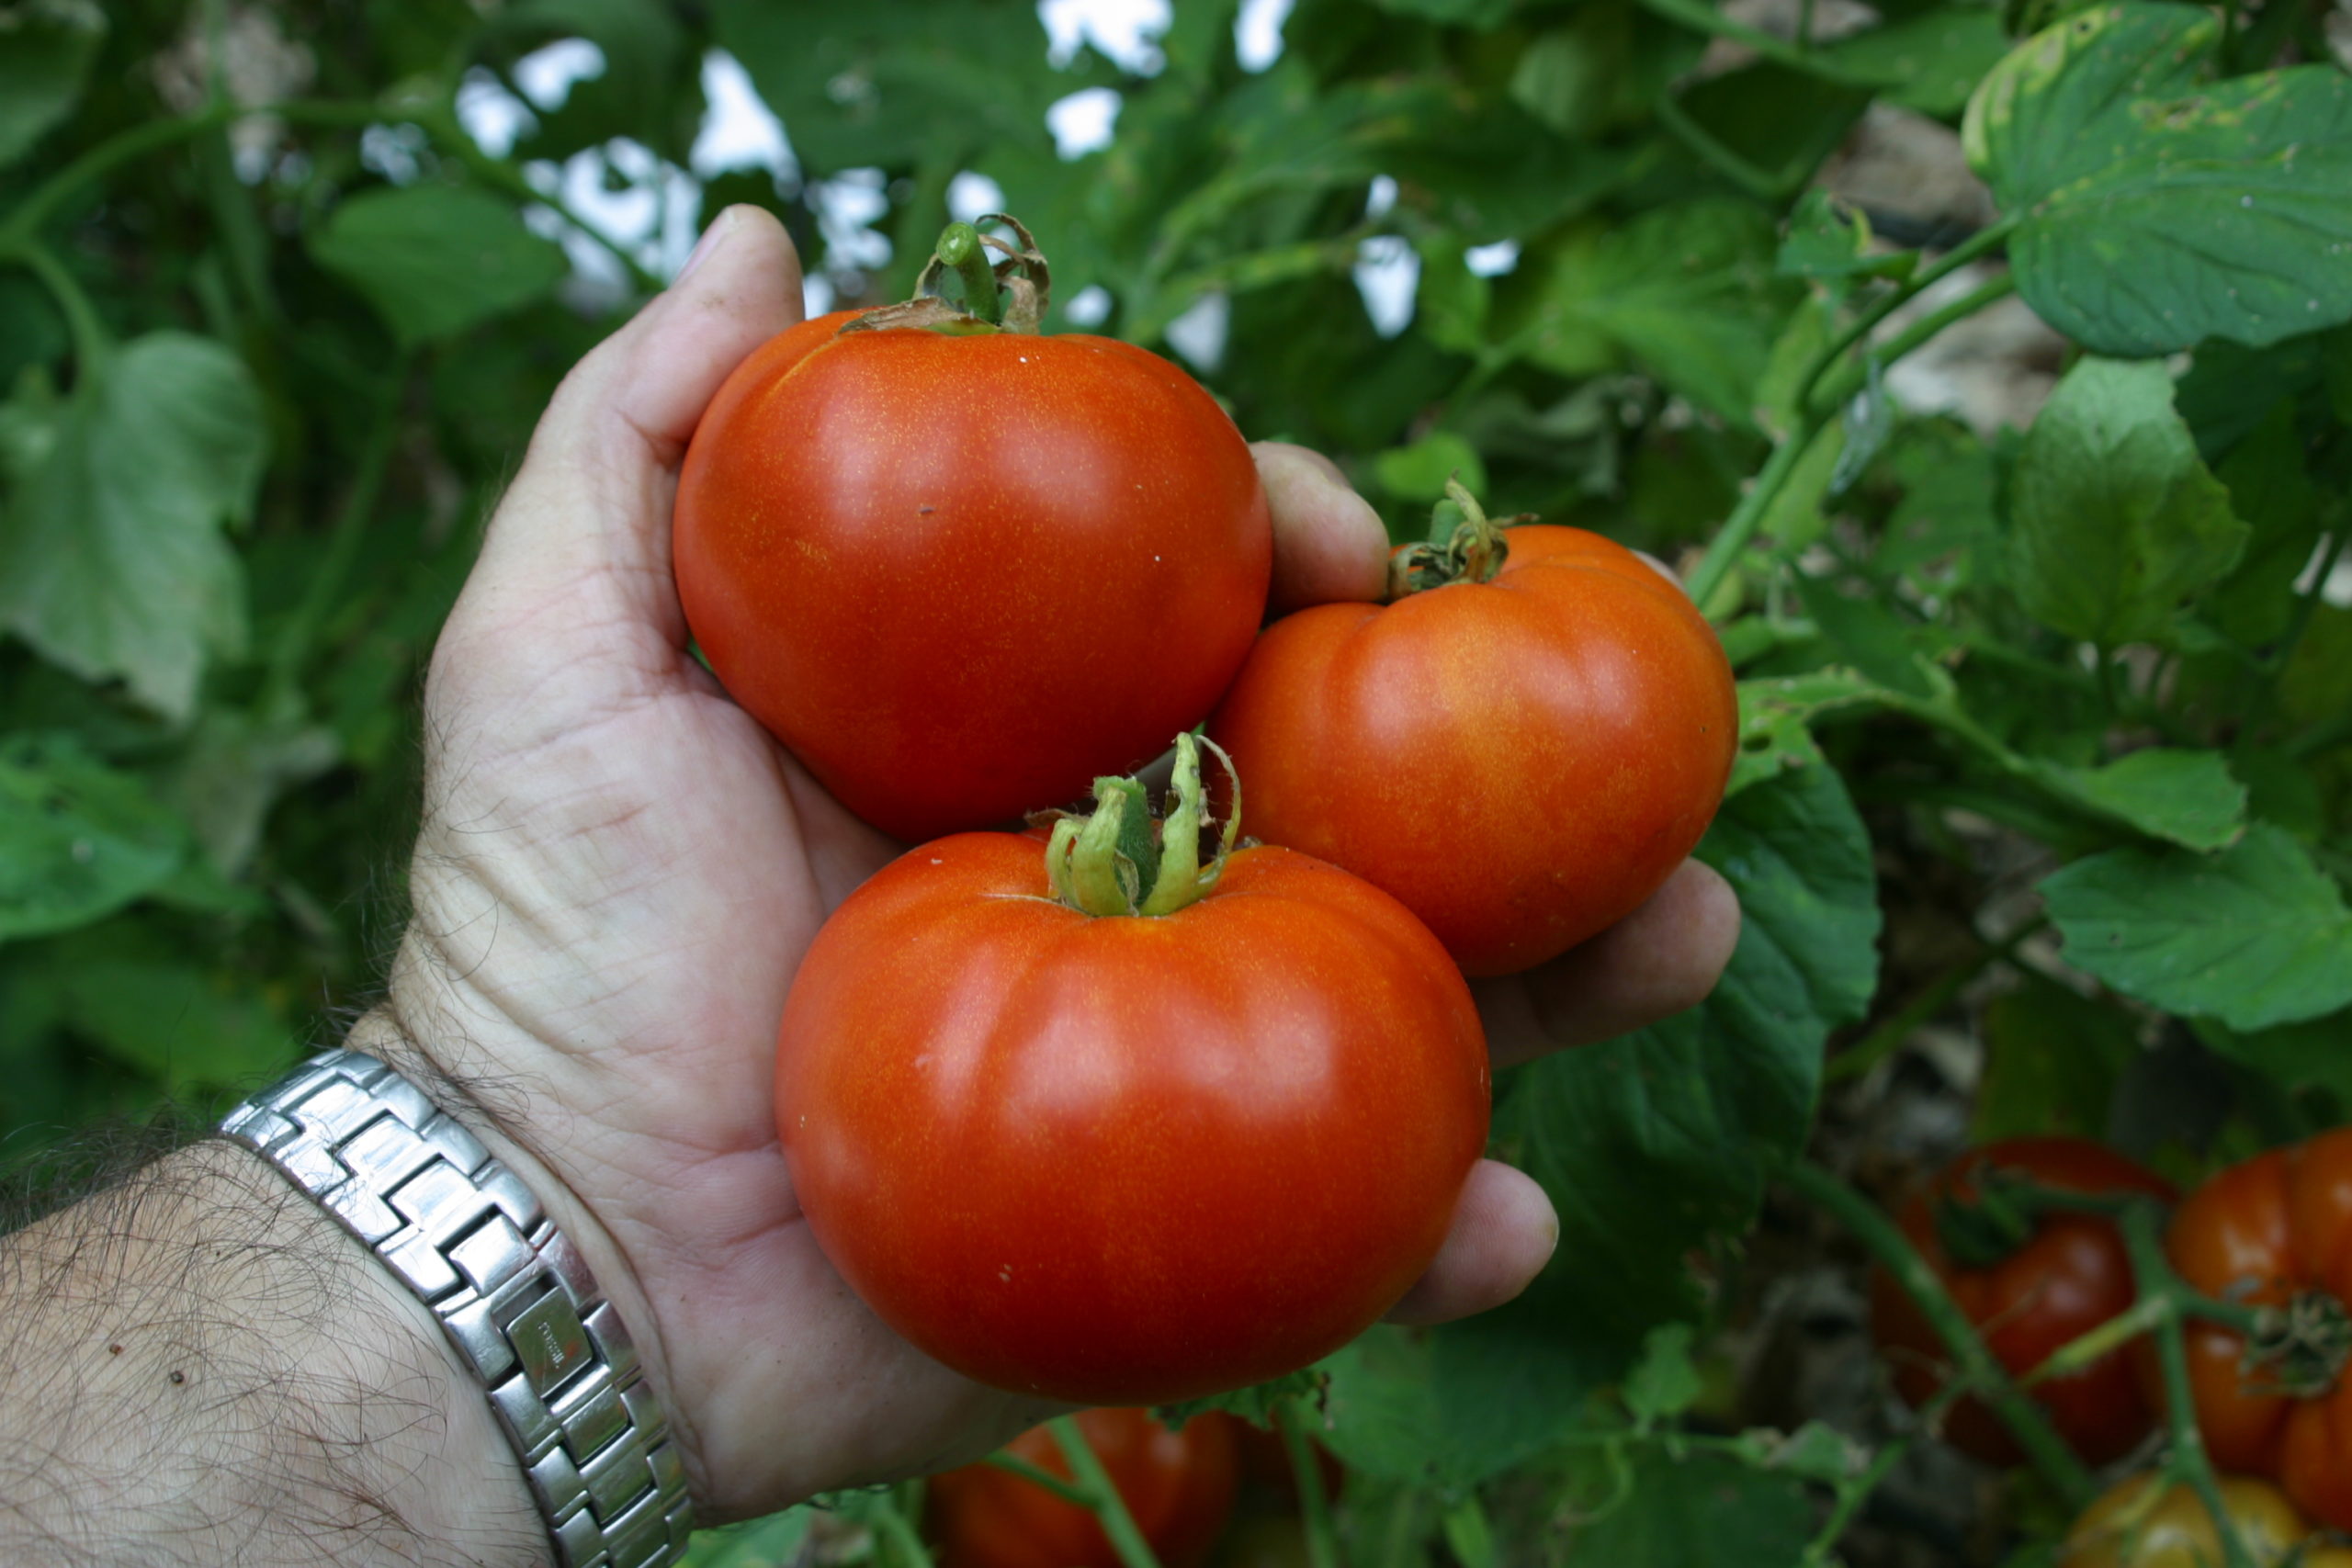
[1521, 761]
[2276, 1231]
[1178, 1486]
[2071, 1275]
[962, 576]
[2132, 1525]
[1127, 1159]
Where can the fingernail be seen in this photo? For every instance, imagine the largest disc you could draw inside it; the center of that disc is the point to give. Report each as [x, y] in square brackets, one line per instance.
[707, 243]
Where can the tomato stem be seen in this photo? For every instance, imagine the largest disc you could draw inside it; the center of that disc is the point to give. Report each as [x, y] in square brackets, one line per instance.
[962, 252]
[1474, 551]
[1314, 1507]
[1112, 863]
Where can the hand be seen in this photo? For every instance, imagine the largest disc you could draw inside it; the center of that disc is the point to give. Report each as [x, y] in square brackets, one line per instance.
[618, 872]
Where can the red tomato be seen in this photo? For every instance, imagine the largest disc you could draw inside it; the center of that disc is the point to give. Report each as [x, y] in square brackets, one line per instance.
[2273, 1231]
[1178, 1486]
[1127, 1159]
[962, 576]
[2069, 1277]
[1520, 761]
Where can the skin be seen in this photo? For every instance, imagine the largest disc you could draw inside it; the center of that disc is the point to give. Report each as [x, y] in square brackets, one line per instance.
[618, 874]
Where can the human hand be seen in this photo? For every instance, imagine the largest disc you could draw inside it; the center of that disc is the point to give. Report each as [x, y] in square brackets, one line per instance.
[618, 872]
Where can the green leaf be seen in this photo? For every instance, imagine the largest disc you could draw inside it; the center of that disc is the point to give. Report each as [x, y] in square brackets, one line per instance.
[1652, 1145]
[235, 767]
[2116, 518]
[640, 41]
[2270, 489]
[1663, 1382]
[1701, 1510]
[1482, 14]
[2314, 1053]
[1929, 62]
[2254, 936]
[45, 47]
[1451, 303]
[78, 839]
[437, 260]
[2154, 209]
[1869, 634]
[1775, 718]
[1827, 239]
[1601, 68]
[111, 557]
[770, 1542]
[2187, 798]
[186, 1022]
[1687, 291]
[1419, 472]
[2052, 1063]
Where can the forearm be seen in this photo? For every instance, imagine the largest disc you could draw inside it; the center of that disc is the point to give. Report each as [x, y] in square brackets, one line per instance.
[199, 1366]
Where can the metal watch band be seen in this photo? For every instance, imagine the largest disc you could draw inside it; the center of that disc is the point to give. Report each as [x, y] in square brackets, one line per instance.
[511, 1291]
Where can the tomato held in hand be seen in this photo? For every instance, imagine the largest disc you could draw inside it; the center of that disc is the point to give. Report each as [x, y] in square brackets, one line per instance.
[2276, 1231]
[1127, 1158]
[2134, 1525]
[961, 574]
[2066, 1276]
[1178, 1488]
[1521, 755]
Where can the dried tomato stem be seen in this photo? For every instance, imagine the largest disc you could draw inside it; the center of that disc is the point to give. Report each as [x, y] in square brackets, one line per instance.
[1474, 551]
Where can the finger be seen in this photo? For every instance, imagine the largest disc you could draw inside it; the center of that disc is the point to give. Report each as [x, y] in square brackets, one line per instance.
[592, 504]
[1664, 957]
[1504, 1231]
[1330, 545]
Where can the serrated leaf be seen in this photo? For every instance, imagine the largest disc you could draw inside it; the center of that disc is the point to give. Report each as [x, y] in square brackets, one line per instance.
[45, 47]
[2116, 520]
[1775, 718]
[1653, 1143]
[2155, 208]
[2255, 936]
[2185, 796]
[111, 557]
[1687, 291]
[2272, 492]
[437, 260]
[78, 839]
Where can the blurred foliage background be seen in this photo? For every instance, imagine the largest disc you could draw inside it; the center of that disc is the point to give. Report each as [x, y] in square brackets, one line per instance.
[2044, 811]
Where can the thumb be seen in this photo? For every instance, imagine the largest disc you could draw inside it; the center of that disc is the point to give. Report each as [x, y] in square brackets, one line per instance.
[591, 507]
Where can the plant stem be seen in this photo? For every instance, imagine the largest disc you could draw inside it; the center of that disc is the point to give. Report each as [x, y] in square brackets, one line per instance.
[1974, 1364]
[1855, 1490]
[1987, 239]
[1738, 529]
[1038, 1476]
[441, 124]
[1850, 381]
[2152, 1271]
[91, 339]
[1701, 17]
[1882, 1041]
[1711, 150]
[900, 1530]
[1314, 1508]
[1117, 1523]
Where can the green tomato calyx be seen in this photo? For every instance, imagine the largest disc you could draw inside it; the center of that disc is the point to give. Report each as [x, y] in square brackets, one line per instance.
[1006, 296]
[1117, 861]
[1464, 545]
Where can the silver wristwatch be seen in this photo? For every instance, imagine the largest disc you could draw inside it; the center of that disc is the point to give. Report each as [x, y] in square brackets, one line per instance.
[512, 1293]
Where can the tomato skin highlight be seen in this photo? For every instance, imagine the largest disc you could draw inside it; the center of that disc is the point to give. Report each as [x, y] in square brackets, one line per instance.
[2263, 1232]
[1522, 761]
[962, 577]
[2071, 1275]
[1179, 1488]
[1127, 1160]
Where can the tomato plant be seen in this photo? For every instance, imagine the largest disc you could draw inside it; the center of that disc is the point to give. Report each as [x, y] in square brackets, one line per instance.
[1178, 1486]
[2276, 1231]
[961, 573]
[1115, 1134]
[1520, 745]
[2029, 1285]
[2144, 1522]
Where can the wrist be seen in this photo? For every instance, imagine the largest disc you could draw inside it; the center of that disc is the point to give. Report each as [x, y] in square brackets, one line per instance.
[203, 1366]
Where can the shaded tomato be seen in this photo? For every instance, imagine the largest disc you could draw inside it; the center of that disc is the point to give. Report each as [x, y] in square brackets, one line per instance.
[1522, 761]
[2274, 1231]
[1126, 1159]
[2068, 1276]
[2134, 1525]
[1178, 1488]
[962, 576]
